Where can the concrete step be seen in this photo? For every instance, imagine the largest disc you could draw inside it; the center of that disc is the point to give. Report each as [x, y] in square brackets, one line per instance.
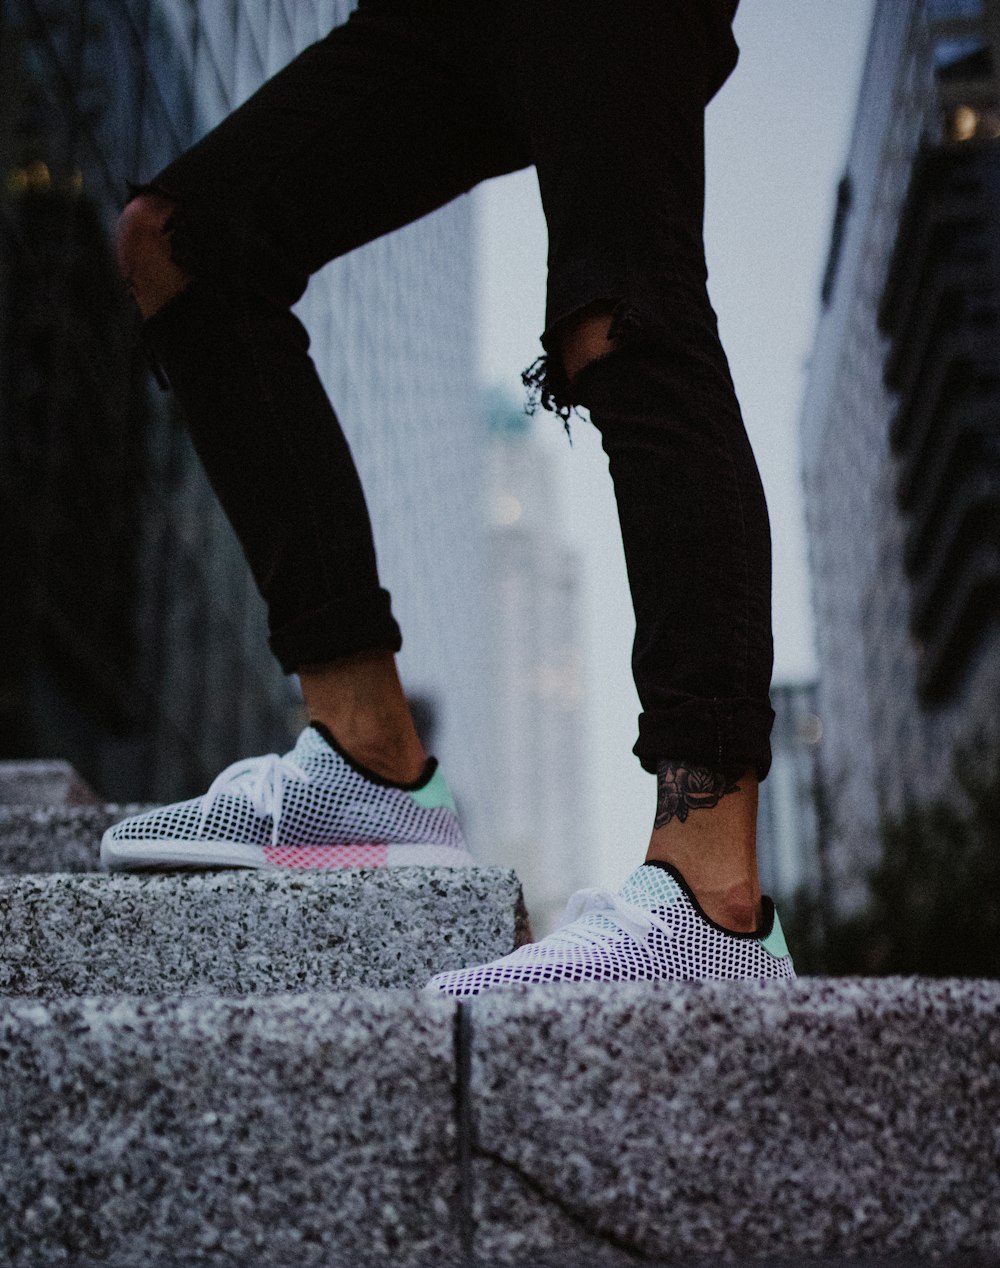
[241, 932]
[823, 1119]
[56, 838]
[817, 1122]
[306, 1130]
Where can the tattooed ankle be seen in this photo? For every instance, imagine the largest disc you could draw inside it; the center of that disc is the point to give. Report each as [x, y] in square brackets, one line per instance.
[682, 787]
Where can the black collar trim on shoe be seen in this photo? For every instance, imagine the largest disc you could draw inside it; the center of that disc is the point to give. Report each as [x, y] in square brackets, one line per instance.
[420, 782]
[763, 930]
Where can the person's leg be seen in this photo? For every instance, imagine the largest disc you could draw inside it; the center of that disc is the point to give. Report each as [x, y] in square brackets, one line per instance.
[672, 504]
[358, 696]
[615, 100]
[365, 131]
[694, 521]
[354, 138]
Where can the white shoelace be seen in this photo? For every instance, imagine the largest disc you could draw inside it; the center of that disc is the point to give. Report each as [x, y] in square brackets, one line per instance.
[627, 917]
[261, 780]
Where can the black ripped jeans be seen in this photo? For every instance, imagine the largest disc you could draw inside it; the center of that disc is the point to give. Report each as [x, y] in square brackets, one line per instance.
[406, 105]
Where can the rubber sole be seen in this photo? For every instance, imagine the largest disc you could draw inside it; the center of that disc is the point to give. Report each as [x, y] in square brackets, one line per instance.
[170, 855]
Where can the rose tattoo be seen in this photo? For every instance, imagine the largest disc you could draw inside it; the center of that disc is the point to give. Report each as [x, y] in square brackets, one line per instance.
[681, 788]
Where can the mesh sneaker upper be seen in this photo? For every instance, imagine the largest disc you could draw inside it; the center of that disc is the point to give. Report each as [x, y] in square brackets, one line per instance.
[310, 797]
[650, 930]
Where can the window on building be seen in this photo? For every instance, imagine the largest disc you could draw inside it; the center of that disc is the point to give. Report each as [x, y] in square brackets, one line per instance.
[962, 59]
[941, 10]
[970, 123]
[844, 198]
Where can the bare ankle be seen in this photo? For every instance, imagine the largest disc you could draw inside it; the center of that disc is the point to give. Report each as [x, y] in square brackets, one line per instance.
[706, 827]
[737, 907]
[360, 700]
[401, 763]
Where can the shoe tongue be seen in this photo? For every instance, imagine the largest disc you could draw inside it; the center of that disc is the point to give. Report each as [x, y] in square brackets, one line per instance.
[650, 887]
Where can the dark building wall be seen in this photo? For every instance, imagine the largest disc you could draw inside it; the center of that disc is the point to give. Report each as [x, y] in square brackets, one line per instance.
[898, 429]
[941, 311]
[131, 640]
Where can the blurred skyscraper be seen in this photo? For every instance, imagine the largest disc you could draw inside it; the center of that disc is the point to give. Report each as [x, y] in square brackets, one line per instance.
[538, 822]
[132, 640]
[901, 427]
[788, 846]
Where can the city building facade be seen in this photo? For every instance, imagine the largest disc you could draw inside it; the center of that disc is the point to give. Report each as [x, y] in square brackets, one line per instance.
[789, 846]
[134, 642]
[900, 426]
[538, 820]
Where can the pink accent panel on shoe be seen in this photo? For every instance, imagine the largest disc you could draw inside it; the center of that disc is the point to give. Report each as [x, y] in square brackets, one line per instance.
[326, 856]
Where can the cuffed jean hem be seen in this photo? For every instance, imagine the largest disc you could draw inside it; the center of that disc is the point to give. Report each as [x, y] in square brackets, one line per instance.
[329, 632]
[721, 733]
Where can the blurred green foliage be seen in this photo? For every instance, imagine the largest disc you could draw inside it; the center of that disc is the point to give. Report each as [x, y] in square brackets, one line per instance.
[935, 895]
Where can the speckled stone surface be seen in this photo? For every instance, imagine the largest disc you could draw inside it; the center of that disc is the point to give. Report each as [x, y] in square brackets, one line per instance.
[822, 1123]
[829, 1120]
[241, 932]
[286, 1130]
[55, 838]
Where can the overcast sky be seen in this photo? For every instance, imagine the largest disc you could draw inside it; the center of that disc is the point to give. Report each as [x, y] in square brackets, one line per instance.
[777, 137]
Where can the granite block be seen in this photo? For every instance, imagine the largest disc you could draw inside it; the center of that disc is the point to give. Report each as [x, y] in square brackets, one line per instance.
[243, 932]
[821, 1120]
[283, 1130]
[822, 1123]
[56, 838]
[44, 783]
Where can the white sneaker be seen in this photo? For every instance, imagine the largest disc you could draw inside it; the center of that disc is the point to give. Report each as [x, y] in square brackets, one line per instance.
[315, 807]
[652, 929]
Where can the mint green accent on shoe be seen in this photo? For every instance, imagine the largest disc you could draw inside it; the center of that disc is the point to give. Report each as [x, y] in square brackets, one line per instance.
[435, 793]
[650, 887]
[775, 944]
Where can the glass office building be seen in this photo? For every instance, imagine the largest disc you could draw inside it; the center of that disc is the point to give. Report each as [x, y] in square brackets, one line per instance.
[900, 428]
[133, 641]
